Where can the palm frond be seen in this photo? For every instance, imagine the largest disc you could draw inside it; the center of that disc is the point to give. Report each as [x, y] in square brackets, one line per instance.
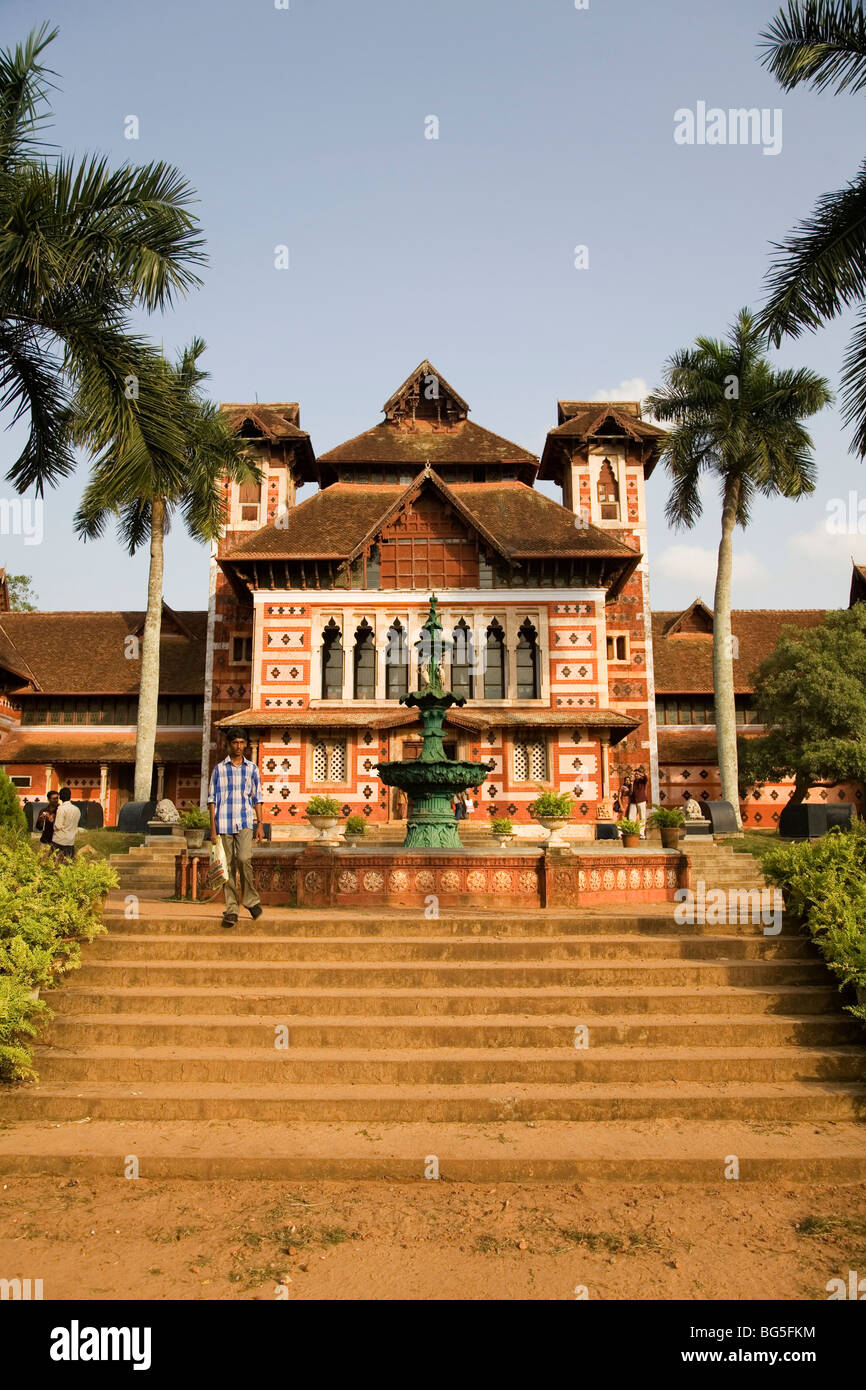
[24, 87]
[854, 385]
[820, 267]
[822, 42]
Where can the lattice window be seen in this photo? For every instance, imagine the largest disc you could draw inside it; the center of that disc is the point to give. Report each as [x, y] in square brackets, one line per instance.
[462, 660]
[530, 760]
[329, 760]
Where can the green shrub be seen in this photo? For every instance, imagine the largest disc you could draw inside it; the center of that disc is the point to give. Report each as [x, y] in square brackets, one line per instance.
[47, 908]
[667, 817]
[323, 806]
[552, 806]
[824, 888]
[356, 825]
[501, 825]
[628, 827]
[11, 813]
[195, 819]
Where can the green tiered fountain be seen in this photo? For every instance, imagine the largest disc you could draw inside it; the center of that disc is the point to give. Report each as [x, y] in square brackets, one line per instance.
[431, 780]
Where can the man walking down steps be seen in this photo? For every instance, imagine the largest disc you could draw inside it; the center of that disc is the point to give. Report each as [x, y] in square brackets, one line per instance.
[235, 802]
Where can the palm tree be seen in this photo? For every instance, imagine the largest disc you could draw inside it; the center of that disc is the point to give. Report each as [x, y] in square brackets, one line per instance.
[739, 420]
[141, 481]
[81, 246]
[820, 267]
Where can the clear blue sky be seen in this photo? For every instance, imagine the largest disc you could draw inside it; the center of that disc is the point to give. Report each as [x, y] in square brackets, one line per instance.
[306, 127]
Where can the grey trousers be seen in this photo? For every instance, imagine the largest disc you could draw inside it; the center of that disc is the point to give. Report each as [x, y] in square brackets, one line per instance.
[239, 856]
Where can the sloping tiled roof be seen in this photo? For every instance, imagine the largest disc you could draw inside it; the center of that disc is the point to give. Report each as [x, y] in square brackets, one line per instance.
[336, 521]
[340, 718]
[683, 663]
[858, 585]
[84, 653]
[10, 658]
[415, 444]
[275, 419]
[77, 745]
[581, 421]
[474, 719]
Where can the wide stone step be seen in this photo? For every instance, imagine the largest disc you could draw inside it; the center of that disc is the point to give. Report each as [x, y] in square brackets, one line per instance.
[814, 1102]
[306, 950]
[156, 1000]
[445, 927]
[446, 1066]
[547, 1151]
[443, 975]
[495, 1031]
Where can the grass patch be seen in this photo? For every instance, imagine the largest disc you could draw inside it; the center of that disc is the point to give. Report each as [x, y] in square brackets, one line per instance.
[488, 1244]
[610, 1241]
[106, 842]
[831, 1225]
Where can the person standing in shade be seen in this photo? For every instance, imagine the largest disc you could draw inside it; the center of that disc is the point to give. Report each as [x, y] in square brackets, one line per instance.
[45, 819]
[235, 803]
[66, 822]
[638, 807]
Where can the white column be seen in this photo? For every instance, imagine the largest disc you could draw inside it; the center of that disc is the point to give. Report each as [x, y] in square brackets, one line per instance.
[103, 790]
[49, 773]
[160, 781]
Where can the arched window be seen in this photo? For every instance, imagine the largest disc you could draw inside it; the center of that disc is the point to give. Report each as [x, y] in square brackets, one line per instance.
[365, 663]
[528, 686]
[332, 662]
[462, 682]
[494, 669]
[396, 662]
[608, 493]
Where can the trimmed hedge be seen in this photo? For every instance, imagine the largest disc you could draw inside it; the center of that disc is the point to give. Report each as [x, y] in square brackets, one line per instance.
[47, 908]
[824, 887]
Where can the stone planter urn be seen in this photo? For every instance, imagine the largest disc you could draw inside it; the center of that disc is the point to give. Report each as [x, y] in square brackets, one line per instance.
[503, 841]
[325, 826]
[351, 840]
[194, 837]
[554, 825]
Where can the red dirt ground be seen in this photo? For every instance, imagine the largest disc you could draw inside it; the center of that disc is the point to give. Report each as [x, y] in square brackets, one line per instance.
[110, 1238]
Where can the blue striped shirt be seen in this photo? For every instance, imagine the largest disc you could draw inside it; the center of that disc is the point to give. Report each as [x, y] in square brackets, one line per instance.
[234, 791]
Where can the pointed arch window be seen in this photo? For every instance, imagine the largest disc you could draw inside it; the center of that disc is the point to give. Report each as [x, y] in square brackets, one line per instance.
[494, 668]
[396, 662]
[364, 663]
[528, 682]
[608, 493]
[462, 682]
[332, 662]
[249, 498]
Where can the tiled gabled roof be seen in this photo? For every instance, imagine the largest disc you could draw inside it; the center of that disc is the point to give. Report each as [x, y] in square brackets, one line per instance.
[519, 522]
[463, 444]
[683, 661]
[582, 421]
[86, 653]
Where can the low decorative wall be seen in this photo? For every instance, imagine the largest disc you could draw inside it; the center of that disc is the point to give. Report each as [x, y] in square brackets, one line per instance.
[345, 878]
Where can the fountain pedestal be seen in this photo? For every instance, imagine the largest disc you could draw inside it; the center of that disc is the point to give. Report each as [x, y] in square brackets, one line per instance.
[432, 780]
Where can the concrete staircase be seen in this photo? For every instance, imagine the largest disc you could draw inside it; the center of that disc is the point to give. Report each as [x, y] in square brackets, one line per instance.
[148, 870]
[362, 1045]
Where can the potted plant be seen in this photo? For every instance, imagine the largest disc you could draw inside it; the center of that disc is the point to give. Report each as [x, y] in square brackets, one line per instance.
[194, 823]
[356, 829]
[553, 810]
[323, 812]
[630, 832]
[502, 830]
[669, 820]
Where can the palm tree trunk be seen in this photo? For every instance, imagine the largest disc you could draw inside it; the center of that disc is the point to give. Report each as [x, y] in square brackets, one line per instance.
[148, 691]
[724, 655]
